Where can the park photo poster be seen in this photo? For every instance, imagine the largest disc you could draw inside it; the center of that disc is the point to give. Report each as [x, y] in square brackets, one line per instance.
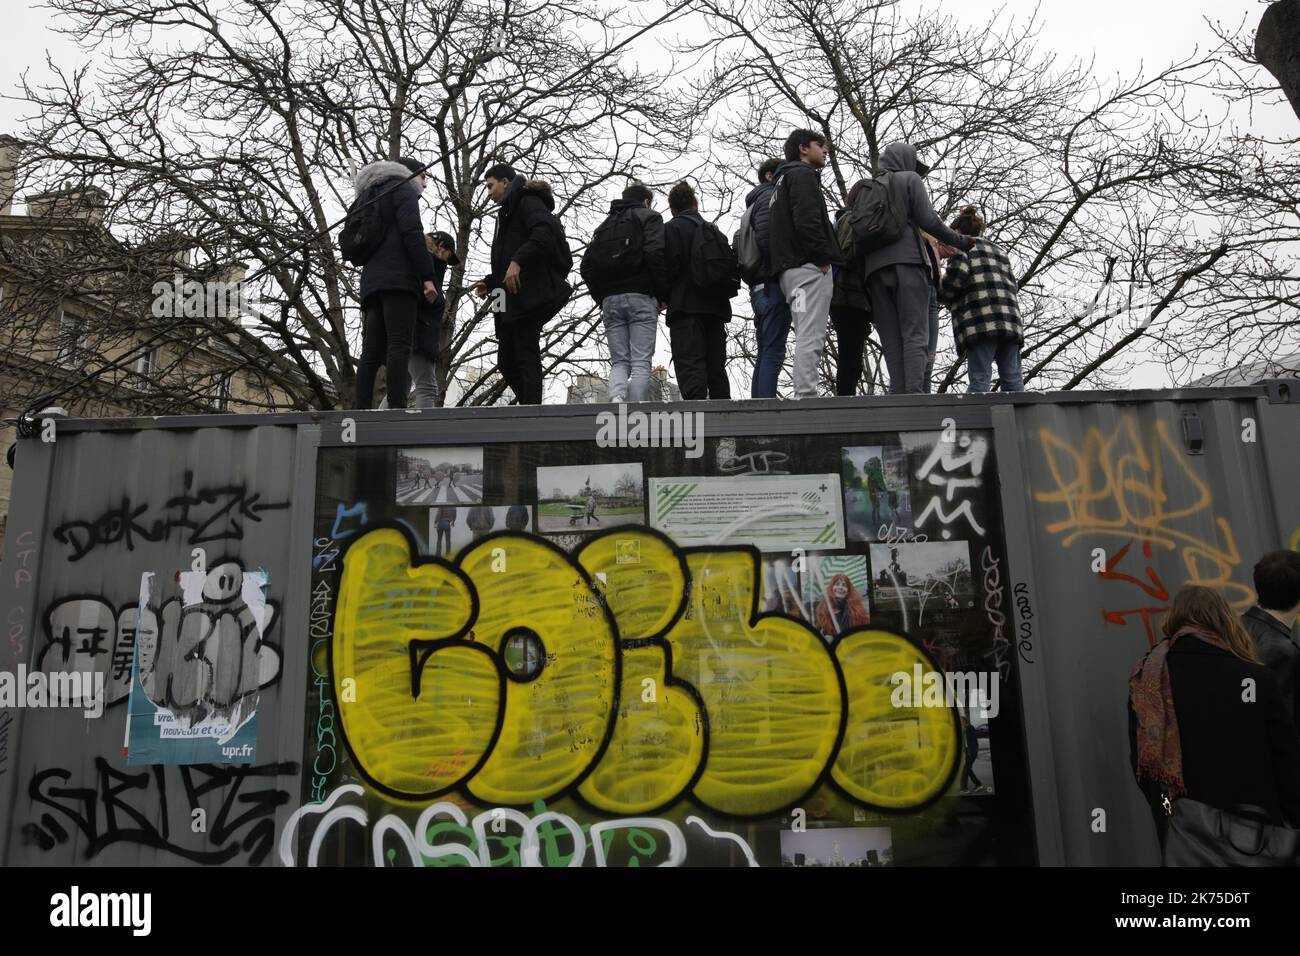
[577, 499]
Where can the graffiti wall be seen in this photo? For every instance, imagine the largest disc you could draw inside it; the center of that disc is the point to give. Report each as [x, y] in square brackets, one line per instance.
[158, 577]
[1125, 511]
[774, 645]
[560, 654]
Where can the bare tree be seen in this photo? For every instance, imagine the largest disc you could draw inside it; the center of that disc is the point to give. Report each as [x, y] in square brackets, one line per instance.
[241, 139]
[1127, 212]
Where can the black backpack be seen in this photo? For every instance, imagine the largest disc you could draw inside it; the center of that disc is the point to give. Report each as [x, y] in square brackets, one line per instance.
[615, 251]
[363, 231]
[876, 218]
[715, 270]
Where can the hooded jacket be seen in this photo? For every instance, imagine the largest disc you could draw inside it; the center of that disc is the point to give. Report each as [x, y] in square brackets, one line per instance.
[799, 232]
[761, 221]
[402, 262]
[652, 278]
[685, 298]
[900, 160]
[528, 233]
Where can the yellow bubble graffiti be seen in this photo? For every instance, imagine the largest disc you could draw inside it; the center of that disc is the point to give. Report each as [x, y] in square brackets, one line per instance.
[650, 675]
[891, 757]
[410, 744]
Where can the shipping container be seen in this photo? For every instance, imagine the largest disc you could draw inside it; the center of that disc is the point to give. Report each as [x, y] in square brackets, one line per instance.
[836, 632]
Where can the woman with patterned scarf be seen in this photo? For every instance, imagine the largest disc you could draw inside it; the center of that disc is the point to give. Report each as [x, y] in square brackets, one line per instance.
[1207, 720]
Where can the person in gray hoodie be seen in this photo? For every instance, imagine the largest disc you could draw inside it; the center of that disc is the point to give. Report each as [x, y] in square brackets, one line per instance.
[393, 278]
[898, 277]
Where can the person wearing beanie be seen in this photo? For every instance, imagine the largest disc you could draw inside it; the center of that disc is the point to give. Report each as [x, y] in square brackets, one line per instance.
[394, 280]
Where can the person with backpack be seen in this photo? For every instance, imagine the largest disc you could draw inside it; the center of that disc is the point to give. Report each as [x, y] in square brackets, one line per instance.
[530, 265]
[705, 275]
[980, 289]
[889, 217]
[625, 272]
[803, 249]
[383, 235]
[771, 313]
[850, 306]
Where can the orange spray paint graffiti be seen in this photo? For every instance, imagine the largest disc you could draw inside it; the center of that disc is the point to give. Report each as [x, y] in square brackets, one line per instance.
[1141, 488]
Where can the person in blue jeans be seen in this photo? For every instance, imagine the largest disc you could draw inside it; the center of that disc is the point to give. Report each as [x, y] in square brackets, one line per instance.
[771, 312]
[979, 287]
[626, 273]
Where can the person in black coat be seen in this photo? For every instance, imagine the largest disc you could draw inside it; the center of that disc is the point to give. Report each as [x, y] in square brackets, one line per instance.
[1271, 622]
[1206, 719]
[697, 322]
[393, 279]
[530, 262]
[850, 314]
[428, 323]
[803, 249]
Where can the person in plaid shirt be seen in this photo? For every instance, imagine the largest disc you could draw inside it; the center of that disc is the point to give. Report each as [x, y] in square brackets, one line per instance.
[980, 290]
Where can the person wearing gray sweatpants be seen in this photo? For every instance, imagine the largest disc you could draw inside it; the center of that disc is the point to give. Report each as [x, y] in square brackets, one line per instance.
[807, 288]
[802, 249]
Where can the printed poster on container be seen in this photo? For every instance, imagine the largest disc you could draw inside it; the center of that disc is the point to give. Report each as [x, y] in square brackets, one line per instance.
[197, 670]
[771, 512]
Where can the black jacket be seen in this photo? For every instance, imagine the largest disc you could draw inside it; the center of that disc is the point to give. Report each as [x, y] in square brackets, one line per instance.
[684, 297]
[761, 221]
[524, 234]
[652, 278]
[402, 262]
[849, 299]
[1234, 751]
[800, 230]
[429, 316]
[1279, 651]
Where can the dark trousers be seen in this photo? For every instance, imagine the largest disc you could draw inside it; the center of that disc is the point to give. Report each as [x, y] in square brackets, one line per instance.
[851, 327]
[386, 340]
[900, 309]
[519, 357]
[699, 345]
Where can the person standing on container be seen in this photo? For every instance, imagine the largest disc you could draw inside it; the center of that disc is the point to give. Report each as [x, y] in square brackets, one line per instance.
[980, 288]
[803, 248]
[393, 278]
[1195, 733]
[530, 263]
[898, 273]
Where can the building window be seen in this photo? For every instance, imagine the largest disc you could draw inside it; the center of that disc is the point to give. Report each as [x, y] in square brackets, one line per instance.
[71, 339]
[225, 387]
[148, 364]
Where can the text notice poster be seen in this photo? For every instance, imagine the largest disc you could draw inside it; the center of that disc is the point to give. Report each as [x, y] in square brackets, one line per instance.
[771, 512]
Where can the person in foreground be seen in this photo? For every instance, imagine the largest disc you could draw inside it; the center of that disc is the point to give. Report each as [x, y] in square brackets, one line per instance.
[1207, 720]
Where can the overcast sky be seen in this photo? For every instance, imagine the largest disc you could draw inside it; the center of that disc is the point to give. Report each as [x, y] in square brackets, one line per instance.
[1123, 36]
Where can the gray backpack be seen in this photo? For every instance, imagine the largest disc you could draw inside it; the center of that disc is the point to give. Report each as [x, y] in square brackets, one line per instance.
[747, 250]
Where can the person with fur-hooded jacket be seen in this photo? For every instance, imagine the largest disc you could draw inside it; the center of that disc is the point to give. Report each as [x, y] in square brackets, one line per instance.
[530, 263]
[393, 278]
